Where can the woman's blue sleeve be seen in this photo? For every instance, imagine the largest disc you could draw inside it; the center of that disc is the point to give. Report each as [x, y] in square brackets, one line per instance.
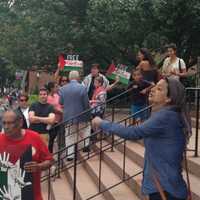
[154, 126]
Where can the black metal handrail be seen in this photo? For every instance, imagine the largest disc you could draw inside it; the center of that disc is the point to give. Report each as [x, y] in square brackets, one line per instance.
[95, 134]
[66, 166]
[69, 123]
[90, 109]
[111, 114]
[197, 90]
[196, 102]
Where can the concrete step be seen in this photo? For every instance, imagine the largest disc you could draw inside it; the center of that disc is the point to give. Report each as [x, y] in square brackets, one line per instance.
[193, 162]
[193, 120]
[108, 179]
[193, 112]
[135, 152]
[123, 167]
[61, 189]
[44, 188]
[85, 186]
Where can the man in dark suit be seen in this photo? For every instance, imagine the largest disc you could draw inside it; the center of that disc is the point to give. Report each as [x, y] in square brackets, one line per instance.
[23, 109]
[74, 98]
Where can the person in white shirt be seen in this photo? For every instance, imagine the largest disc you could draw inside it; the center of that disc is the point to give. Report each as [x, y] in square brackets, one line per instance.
[23, 109]
[173, 66]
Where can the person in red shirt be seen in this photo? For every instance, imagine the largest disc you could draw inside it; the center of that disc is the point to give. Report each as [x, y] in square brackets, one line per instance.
[53, 99]
[14, 143]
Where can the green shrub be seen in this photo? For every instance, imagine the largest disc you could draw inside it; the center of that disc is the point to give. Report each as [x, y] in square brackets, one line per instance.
[33, 98]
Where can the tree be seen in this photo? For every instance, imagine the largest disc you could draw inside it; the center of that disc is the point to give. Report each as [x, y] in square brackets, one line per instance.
[34, 32]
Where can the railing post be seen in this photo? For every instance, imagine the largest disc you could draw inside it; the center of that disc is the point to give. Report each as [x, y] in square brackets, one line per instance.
[100, 162]
[124, 161]
[113, 118]
[198, 72]
[49, 183]
[59, 150]
[197, 124]
[75, 170]
[124, 156]
[113, 112]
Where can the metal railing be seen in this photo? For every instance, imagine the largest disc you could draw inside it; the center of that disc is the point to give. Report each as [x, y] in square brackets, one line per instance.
[80, 158]
[111, 108]
[193, 97]
[193, 101]
[113, 101]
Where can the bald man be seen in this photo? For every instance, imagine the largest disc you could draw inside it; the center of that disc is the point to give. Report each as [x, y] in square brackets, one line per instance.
[15, 142]
[74, 98]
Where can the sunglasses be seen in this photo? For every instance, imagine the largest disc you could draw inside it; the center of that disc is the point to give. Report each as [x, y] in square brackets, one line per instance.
[23, 100]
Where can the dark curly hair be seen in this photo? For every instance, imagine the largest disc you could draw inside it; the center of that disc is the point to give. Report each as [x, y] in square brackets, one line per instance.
[147, 56]
[50, 85]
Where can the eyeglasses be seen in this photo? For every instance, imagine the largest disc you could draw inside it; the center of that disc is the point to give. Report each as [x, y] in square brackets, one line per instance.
[63, 80]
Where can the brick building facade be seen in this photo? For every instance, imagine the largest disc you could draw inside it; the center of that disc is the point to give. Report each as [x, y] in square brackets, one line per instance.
[37, 79]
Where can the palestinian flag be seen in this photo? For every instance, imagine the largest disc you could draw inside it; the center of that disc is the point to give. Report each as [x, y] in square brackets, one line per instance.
[13, 179]
[69, 65]
[113, 71]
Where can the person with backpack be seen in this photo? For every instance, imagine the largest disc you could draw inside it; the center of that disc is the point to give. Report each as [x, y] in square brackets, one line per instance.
[174, 66]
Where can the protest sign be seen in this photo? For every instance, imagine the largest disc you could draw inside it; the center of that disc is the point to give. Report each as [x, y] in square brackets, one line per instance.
[70, 65]
[119, 70]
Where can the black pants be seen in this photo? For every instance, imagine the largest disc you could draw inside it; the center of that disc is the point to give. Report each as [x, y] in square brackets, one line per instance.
[156, 196]
[52, 136]
[53, 133]
[93, 138]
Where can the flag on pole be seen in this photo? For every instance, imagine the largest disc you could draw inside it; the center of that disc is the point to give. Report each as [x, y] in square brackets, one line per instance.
[111, 69]
[69, 65]
[61, 62]
[120, 71]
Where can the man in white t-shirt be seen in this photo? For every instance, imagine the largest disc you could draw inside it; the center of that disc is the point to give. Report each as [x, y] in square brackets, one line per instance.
[173, 66]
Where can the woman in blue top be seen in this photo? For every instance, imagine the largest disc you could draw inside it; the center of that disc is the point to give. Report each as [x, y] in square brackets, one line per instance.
[165, 134]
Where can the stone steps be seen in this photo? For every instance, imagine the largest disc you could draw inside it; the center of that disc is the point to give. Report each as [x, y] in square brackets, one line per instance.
[112, 172]
[115, 160]
[135, 152]
[85, 186]
[62, 189]
[109, 178]
[44, 188]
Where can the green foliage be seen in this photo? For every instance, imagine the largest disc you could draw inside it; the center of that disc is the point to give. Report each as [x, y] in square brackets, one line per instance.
[32, 99]
[34, 32]
[36, 90]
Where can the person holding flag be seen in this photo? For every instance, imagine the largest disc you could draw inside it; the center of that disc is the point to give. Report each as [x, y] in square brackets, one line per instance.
[119, 71]
[88, 81]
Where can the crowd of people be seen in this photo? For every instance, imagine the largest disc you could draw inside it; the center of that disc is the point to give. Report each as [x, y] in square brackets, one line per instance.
[66, 97]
